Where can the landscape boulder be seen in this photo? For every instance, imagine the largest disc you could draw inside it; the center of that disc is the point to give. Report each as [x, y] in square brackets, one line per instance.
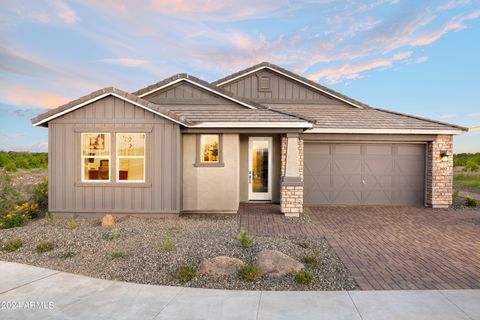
[220, 266]
[275, 263]
[108, 220]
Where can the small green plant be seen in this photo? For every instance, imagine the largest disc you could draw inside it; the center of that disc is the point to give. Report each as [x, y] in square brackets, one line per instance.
[245, 240]
[50, 218]
[9, 194]
[40, 194]
[12, 220]
[310, 260]
[167, 243]
[185, 273]
[13, 245]
[27, 210]
[67, 254]
[114, 234]
[117, 254]
[304, 244]
[470, 202]
[44, 247]
[251, 272]
[455, 194]
[72, 224]
[303, 277]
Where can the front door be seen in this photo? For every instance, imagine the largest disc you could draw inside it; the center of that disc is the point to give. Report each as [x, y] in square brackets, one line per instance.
[260, 168]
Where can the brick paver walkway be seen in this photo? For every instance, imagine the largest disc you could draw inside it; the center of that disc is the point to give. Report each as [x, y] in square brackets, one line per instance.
[388, 248]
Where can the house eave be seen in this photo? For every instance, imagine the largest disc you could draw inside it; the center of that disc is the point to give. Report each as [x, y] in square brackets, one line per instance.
[385, 131]
[300, 125]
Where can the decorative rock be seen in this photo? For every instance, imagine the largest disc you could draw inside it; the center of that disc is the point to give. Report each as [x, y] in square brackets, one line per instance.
[275, 263]
[108, 220]
[220, 266]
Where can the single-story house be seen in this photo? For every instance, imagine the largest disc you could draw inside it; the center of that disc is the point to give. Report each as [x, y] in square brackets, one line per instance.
[262, 134]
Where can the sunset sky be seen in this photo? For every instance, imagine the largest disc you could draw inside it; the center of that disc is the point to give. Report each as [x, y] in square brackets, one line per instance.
[417, 57]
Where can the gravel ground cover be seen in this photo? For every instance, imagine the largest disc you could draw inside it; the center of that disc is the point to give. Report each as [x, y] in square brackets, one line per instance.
[134, 250]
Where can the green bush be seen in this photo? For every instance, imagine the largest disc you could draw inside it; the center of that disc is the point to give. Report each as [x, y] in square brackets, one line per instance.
[251, 272]
[461, 159]
[44, 247]
[471, 165]
[67, 254]
[40, 194]
[470, 202]
[27, 210]
[303, 277]
[245, 240]
[12, 160]
[9, 196]
[185, 273]
[50, 218]
[117, 254]
[13, 245]
[72, 224]
[12, 220]
[167, 243]
[310, 260]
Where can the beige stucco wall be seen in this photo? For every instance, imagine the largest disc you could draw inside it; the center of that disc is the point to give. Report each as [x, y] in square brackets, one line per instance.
[244, 166]
[211, 188]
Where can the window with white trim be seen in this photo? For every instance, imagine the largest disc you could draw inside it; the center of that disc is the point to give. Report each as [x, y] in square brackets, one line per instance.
[130, 157]
[96, 157]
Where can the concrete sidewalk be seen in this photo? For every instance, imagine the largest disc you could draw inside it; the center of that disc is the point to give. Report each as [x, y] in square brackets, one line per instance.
[38, 293]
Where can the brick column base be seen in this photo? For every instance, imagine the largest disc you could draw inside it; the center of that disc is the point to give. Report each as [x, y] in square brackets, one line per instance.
[440, 172]
[291, 200]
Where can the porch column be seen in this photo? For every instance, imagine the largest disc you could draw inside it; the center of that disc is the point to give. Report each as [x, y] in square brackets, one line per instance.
[291, 194]
[440, 172]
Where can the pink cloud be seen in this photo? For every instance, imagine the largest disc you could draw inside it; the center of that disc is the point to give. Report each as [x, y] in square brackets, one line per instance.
[126, 62]
[64, 12]
[28, 96]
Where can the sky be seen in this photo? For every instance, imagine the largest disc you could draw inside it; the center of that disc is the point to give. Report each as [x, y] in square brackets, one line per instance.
[416, 57]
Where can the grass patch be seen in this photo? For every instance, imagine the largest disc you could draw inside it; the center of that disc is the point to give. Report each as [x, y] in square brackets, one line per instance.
[304, 244]
[251, 272]
[185, 273]
[12, 220]
[13, 245]
[245, 240]
[118, 254]
[167, 243]
[44, 247]
[72, 224]
[311, 260]
[67, 254]
[471, 180]
[303, 277]
[50, 218]
[114, 234]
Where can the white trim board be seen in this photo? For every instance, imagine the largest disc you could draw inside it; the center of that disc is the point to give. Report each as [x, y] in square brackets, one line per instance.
[383, 131]
[198, 85]
[293, 78]
[259, 125]
[75, 107]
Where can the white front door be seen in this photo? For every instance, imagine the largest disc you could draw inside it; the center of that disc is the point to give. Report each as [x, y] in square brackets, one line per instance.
[260, 168]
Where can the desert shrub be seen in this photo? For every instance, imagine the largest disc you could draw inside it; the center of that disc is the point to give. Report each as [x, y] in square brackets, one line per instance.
[114, 234]
[72, 224]
[44, 247]
[12, 220]
[185, 273]
[40, 194]
[310, 260]
[28, 210]
[50, 218]
[251, 272]
[303, 277]
[304, 244]
[471, 165]
[167, 243]
[118, 254]
[9, 195]
[13, 245]
[13, 160]
[470, 202]
[245, 240]
[67, 254]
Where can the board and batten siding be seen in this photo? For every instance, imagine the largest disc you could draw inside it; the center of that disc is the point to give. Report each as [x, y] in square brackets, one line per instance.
[161, 191]
[282, 89]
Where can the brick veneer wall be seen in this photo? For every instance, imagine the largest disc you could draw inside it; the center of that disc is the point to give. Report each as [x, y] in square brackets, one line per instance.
[439, 173]
[291, 194]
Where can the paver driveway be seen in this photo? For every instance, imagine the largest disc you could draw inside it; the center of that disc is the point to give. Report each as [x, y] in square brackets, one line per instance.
[388, 247]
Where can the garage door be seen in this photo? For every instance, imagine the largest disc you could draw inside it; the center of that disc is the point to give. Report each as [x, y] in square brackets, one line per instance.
[364, 174]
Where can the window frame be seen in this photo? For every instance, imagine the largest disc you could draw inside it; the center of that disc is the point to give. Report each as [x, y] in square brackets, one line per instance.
[198, 152]
[83, 157]
[118, 158]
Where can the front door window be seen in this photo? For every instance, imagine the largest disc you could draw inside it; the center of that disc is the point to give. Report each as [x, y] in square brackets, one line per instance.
[260, 167]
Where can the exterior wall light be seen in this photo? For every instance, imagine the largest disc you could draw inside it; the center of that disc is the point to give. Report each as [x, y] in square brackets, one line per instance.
[444, 156]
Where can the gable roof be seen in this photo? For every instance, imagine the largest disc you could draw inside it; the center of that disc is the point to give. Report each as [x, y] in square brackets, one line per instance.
[42, 119]
[192, 118]
[198, 83]
[286, 73]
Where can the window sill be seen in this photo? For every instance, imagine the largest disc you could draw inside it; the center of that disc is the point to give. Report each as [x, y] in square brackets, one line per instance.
[206, 165]
[114, 184]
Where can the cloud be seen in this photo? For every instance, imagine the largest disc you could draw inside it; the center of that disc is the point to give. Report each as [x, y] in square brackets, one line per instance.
[51, 12]
[447, 116]
[402, 55]
[475, 114]
[126, 62]
[451, 4]
[27, 96]
[421, 59]
[64, 12]
[32, 147]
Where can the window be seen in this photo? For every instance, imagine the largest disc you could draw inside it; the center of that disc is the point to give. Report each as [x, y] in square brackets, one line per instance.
[130, 157]
[96, 157]
[209, 148]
